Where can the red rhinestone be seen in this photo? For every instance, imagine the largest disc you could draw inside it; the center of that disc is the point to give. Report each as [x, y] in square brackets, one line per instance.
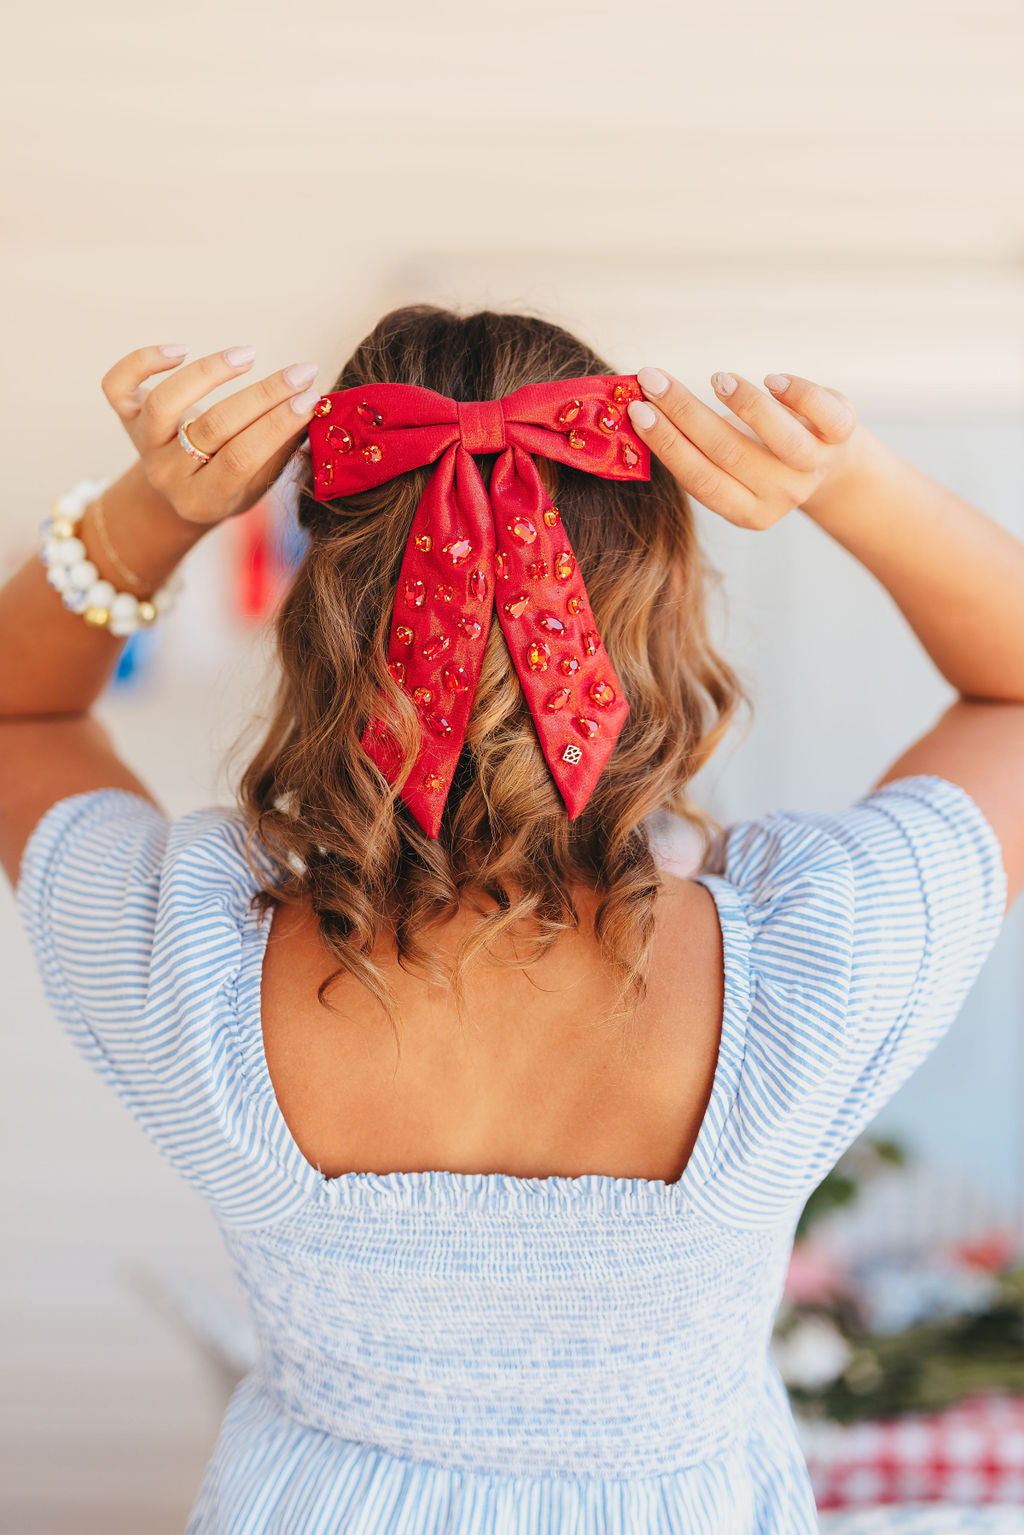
[551, 516]
[630, 457]
[609, 420]
[522, 530]
[569, 412]
[340, 438]
[559, 699]
[591, 642]
[516, 606]
[569, 665]
[457, 550]
[602, 694]
[537, 569]
[470, 627]
[397, 670]
[422, 695]
[501, 565]
[436, 647]
[433, 782]
[552, 624]
[369, 415]
[586, 728]
[477, 585]
[424, 542]
[575, 604]
[538, 656]
[457, 678]
[325, 476]
[373, 454]
[623, 392]
[404, 635]
[322, 406]
[439, 723]
[577, 439]
[564, 565]
[444, 593]
[415, 592]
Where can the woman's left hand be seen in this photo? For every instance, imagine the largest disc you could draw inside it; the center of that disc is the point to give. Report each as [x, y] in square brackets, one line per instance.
[249, 436]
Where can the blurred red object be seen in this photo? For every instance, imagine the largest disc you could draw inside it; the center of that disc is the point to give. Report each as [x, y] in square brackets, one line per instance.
[256, 577]
[971, 1454]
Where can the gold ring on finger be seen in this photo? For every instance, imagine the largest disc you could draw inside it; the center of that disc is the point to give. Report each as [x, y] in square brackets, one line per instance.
[189, 445]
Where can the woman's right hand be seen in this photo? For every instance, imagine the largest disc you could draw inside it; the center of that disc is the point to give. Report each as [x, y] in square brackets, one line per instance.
[800, 435]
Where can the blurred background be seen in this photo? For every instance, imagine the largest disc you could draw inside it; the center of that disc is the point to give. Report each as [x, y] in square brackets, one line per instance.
[828, 190]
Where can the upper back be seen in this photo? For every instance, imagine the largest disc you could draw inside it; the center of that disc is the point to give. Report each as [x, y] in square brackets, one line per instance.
[528, 1085]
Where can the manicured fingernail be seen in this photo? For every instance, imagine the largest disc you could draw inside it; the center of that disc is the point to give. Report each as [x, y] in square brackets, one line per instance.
[778, 383]
[723, 384]
[240, 356]
[174, 351]
[303, 403]
[652, 381]
[641, 415]
[300, 373]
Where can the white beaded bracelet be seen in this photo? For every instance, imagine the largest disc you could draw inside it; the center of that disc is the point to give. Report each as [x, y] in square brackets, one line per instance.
[71, 573]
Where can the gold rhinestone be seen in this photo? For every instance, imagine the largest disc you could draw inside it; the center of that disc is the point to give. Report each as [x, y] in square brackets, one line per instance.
[96, 616]
[147, 612]
[62, 527]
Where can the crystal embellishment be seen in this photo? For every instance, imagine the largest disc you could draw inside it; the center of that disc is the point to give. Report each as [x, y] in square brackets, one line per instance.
[477, 585]
[444, 593]
[404, 635]
[439, 723]
[558, 699]
[522, 530]
[515, 607]
[564, 566]
[538, 656]
[501, 565]
[457, 678]
[602, 694]
[569, 665]
[339, 438]
[569, 412]
[591, 642]
[469, 627]
[575, 604]
[586, 727]
[322, 406]
[397, 670]
[630, 457]
[373, 453]
[538, 569]
[422, 695]
[577, 439]
[551, 516]
[436, 647]
[457, 550]
[367, 413]
[415, 593]
[609, 419]
[433, 782]
[424, 542]
[551, 623]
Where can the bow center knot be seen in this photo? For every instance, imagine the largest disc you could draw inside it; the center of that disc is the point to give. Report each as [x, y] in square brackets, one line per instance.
[482, 426]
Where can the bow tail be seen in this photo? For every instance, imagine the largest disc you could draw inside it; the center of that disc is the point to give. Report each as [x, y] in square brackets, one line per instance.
[575, 698]
[439, 627]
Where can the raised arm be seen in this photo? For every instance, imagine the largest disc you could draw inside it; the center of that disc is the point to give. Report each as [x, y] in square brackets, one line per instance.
[956, 574]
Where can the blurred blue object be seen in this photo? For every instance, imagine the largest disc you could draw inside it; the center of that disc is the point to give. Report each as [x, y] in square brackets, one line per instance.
[133, 662]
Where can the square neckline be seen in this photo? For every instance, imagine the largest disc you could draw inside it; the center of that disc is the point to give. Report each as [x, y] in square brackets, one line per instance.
[443, 1187]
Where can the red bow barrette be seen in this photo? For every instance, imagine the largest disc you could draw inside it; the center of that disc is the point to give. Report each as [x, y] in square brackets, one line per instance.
[471, 548]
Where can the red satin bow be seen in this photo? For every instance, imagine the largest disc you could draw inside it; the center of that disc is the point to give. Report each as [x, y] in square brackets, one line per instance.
[468, 549]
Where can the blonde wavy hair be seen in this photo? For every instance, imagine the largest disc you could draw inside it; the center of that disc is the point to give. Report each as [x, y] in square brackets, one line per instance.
[345, 841]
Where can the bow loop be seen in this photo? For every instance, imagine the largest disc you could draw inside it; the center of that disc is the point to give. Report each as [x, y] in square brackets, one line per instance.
[472, 551]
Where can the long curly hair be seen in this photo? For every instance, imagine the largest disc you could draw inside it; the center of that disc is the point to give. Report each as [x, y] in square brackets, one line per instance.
[343, 839]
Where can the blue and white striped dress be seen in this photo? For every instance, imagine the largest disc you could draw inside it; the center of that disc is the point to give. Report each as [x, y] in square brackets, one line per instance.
[467, 1352]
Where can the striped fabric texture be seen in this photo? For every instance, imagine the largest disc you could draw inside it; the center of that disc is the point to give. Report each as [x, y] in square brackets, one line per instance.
[468, 1352]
